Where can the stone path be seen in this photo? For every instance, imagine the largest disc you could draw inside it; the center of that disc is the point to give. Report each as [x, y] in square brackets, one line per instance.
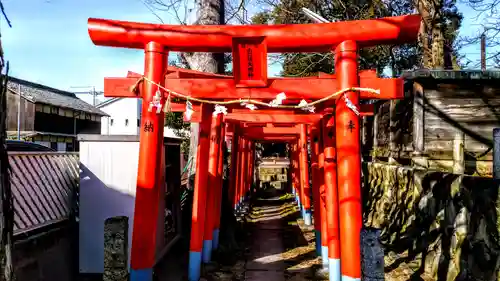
[278, 247]
[264, 261]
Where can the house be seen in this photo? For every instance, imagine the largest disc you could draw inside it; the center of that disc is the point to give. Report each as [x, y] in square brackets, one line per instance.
[123, 117]
[48, 116]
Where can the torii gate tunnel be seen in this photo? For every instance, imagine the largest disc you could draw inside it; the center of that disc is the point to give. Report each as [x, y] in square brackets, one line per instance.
[335, 132]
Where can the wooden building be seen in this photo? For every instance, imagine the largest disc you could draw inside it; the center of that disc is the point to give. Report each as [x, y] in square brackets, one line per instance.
[49, 116]
[273, 170]
[445, 122]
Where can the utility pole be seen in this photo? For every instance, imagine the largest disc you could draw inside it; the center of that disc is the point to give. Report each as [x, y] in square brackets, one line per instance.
[19, 112]
[92, 92]
[483, 51]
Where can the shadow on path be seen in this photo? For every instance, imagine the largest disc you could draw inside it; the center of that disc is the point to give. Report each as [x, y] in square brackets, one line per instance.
[276, 246]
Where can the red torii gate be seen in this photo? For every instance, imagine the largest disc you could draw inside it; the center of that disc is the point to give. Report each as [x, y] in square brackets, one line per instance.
[250, 45]
[263, 134]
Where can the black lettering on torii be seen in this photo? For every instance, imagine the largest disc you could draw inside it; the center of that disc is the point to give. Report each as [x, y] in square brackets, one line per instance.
[351, 126]
[148, 127]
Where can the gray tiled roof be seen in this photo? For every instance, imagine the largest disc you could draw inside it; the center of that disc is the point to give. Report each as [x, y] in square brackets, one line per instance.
[42, 94]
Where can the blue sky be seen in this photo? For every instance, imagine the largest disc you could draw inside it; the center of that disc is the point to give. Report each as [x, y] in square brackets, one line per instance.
[49, 43]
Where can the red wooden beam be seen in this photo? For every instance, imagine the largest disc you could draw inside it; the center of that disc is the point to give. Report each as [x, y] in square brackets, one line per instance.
[269, 138]
[271, 131]
[296, 88]
[288, 128]
[365, 110]
[273, 118]
[178, 72]
[294, 38]
[279, 118]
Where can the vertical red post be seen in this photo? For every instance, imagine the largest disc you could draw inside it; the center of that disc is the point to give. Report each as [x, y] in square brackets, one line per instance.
[316, 182]
[148, 173]
[332, 203]
[220, 185]
[247, 169]
[252, 172]
[293, 173]
[250, 167]
[233, 178]
[249, 172]
[240, 172]
[200, 194]
[213, 166]
[322, 197]
[243, 171]
[304, 175]
[297, 180]
[349, 161]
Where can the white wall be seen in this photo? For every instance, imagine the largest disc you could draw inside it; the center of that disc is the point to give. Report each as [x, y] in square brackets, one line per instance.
[108, 176]
[119, 112]
[108, 180]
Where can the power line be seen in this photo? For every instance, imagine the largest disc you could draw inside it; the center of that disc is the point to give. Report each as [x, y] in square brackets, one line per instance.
[92, 92]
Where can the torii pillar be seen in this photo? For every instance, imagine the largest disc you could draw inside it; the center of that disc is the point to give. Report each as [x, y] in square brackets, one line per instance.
[149, 169]
[304, 176]
[233, 178]
[348, 147]
[212, 186]
[200, 194]
[316, 182]
[218, 196]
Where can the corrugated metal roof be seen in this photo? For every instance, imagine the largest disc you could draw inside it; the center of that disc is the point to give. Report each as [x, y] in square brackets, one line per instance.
[38, 93]
[43, 187]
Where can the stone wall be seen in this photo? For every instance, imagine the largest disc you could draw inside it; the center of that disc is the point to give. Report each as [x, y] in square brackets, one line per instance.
[434, 225]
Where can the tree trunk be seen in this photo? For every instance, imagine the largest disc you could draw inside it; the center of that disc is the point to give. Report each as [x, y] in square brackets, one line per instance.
[437, 46]
[431, 36]
[208, 12]
[423, 34]
[211, 12]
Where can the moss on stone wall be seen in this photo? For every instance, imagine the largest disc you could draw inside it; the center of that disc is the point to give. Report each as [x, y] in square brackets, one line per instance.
[435, 225]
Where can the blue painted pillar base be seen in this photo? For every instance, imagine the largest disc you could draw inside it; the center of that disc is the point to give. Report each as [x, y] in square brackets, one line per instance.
[215, 239]
[206, 254]
[317, 233]
[194, 270]
[307, 217]
[324, 257]
[347, 278]
[141, 274]
[334, 270]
